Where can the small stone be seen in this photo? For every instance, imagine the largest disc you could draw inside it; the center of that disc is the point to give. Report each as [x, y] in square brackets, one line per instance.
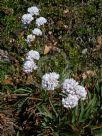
[84, 51]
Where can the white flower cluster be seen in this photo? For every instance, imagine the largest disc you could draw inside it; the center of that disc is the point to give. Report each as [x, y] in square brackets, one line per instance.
[40, 21]
[37, 32]
[27, 19]
[30, 38]
[33, 10]
[74, 92]
[32, 55]
[70, 101]
[29, 64]
[50, 81]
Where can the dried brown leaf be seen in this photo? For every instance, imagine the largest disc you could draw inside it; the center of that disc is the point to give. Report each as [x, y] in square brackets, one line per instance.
[88, 74]
[29, 80]
[8, 81]
[98, 43]
[18, 32]
[47, 49]
[99, 40]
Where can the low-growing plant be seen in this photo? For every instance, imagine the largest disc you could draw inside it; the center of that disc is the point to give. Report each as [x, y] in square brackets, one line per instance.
[49, 56]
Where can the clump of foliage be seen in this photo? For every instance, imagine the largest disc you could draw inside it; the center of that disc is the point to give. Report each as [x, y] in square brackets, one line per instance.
[72, 26]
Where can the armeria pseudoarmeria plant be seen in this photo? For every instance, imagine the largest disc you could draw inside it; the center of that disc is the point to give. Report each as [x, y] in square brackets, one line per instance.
[73, 91]
[50, 81]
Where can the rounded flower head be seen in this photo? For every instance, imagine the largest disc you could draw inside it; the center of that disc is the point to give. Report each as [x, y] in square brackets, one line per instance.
[70, 102]
[29, 66]
[41, 21]
[32, 55]
[69, 86]
[26, 19]
[81, 92]
[37, 32]
[50, 81]
[30, 38]
[73, 92]
[33, 10]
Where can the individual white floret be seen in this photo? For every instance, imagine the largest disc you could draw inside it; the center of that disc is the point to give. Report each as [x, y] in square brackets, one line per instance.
[37, 32]
[70, 102]
[81, 92]
[29, 66]
[32, 55]
[30, 38]
[33, 10]
[41, 21]
[69, 86]
[50, 81]
[26, 19]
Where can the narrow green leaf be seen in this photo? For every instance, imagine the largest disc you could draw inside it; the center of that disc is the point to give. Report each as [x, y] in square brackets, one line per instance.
[44, 111]
[82, 112]
[53, 108]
